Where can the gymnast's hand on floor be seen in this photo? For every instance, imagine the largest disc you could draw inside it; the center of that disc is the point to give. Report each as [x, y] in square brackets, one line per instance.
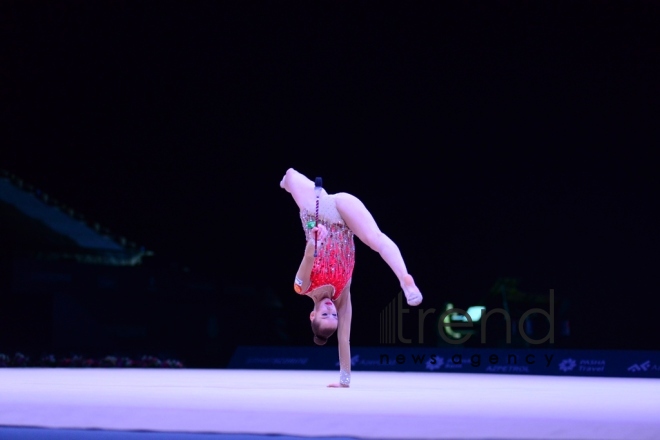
[337, 385]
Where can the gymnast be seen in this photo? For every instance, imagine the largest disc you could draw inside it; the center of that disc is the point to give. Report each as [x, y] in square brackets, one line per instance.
[326, 277]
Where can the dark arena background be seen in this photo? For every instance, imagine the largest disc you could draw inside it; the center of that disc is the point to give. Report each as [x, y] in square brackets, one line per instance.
[147, 252]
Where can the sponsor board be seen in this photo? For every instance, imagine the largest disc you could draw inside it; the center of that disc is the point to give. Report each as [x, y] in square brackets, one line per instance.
[440, 360]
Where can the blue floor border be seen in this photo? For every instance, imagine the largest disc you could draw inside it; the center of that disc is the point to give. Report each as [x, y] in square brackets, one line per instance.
[27, 433]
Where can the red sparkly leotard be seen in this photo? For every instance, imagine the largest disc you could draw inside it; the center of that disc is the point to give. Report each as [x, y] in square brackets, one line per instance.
[335, 259]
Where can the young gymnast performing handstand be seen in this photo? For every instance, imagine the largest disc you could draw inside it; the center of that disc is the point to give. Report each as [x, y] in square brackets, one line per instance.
[326, 277]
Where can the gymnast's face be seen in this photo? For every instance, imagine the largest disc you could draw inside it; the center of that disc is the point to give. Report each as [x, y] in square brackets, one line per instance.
[325, 314]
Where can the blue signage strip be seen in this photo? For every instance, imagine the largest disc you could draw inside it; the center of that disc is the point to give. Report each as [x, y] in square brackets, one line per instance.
[604, 363]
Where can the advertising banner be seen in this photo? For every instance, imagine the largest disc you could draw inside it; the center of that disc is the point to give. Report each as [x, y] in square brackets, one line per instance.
[603, 363]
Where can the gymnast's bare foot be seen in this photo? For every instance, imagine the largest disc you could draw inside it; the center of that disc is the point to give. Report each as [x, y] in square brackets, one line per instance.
[413, 295]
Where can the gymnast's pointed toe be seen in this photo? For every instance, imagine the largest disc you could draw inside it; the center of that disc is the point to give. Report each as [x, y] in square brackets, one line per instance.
[413, 295]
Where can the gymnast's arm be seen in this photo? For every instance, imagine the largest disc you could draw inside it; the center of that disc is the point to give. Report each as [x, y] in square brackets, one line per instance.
[344, 316]
[302, 281]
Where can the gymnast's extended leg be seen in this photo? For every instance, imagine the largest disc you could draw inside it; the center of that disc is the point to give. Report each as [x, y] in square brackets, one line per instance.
[362, 223]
